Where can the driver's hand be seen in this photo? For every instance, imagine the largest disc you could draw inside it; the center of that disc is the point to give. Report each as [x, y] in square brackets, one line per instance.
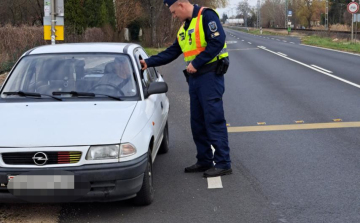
[143, 65]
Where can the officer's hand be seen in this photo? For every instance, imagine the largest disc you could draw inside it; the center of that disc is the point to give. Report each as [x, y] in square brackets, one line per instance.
[143, 65]
[190, 69]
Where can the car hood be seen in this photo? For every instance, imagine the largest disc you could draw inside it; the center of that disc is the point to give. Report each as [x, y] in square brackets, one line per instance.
[45, 124]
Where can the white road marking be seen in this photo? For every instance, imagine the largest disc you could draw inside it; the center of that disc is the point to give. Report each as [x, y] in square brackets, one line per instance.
[277, 39]
[284, 41]
[242, 40]
[355, 54]
[272, 38]
[313, 68]
[214, 182]
[292, 42]
[320, 68]
[249, 43]
[282, 54]
[231, 42]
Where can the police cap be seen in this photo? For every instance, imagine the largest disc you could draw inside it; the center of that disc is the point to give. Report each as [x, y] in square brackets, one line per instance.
[168, 3]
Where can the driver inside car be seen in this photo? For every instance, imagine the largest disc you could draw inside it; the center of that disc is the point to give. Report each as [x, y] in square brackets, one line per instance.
[117, 78]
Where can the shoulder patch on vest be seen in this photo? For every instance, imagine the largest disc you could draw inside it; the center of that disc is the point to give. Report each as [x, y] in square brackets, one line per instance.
[182, 35]
[213, 35]
[212, 26]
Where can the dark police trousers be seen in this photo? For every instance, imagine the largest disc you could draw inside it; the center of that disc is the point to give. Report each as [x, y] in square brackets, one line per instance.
[208, 123]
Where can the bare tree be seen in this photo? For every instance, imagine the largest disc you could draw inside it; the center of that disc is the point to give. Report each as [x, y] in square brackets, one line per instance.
[126, 12]
[244, 9]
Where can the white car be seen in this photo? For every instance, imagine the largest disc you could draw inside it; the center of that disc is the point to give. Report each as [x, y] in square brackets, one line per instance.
[81, 122]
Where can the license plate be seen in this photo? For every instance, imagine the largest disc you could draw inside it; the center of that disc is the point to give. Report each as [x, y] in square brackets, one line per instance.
[26, 182]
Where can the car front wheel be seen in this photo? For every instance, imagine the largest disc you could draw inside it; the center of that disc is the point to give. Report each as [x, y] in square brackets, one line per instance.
[146, 194]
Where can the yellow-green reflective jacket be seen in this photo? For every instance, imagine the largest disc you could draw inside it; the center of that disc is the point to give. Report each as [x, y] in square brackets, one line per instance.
[194, 43]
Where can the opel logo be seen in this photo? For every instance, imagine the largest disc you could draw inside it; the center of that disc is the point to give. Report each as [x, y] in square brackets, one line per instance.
[40, 158]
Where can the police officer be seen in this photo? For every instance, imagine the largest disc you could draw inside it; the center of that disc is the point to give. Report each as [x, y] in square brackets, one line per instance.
[201, 39]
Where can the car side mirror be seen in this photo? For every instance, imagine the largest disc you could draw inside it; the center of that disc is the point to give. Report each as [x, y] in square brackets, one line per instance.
[156, 88]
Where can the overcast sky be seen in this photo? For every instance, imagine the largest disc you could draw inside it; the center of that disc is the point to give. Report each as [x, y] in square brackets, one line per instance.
[233, 4]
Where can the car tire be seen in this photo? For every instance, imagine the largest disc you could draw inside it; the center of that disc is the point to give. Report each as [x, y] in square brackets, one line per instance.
[146, 194]
[164, 147]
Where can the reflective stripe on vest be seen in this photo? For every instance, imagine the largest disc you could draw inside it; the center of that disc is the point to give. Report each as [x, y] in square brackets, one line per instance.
[192, 41]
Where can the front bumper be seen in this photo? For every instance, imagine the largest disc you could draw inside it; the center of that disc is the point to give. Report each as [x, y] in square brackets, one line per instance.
[108, 182]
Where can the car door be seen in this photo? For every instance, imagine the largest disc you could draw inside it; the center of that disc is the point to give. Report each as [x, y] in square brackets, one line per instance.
[153, 101]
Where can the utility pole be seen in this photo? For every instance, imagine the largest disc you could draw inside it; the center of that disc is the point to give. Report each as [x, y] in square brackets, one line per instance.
[53, 22]
[258, 14]
[327, 15]
[286, 13]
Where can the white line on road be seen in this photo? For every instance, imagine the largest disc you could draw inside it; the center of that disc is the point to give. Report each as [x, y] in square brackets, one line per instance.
[242, 40]
[284, 41]
[277, 39]
[313, 68]
[320, 68]
[249, 43]
[272, 38]
[231, 42]
[282, 54]
[214, 182]
[292, 42]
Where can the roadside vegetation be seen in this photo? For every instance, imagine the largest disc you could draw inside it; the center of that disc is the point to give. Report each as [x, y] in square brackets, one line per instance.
[313, 40]
[332, 43]
[153, 51]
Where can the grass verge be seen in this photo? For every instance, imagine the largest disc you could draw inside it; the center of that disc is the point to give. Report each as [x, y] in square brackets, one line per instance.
[153, 51]
[256, 31]
[329, 43]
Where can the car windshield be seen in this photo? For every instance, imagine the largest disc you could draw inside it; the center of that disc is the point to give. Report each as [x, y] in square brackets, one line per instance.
[101, 74]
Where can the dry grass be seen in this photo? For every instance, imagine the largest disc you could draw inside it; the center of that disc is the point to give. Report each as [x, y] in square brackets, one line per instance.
[2, 78]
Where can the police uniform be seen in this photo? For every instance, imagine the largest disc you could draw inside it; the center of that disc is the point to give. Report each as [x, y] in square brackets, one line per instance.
[202, 41]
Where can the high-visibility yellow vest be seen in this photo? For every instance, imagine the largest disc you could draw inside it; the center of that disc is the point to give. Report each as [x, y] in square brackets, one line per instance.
[192, 41]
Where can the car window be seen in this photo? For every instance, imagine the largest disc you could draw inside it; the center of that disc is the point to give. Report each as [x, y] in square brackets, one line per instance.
[110, 74]
[150, 74]
[153, 75]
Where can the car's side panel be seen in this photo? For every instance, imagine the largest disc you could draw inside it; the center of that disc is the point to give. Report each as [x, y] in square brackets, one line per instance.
[140, 129]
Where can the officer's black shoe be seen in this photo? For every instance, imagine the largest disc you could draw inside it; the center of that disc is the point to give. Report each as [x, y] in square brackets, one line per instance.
[196, 168]
[215, 172]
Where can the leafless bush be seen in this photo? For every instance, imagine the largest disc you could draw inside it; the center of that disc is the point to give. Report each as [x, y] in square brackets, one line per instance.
[16, 40]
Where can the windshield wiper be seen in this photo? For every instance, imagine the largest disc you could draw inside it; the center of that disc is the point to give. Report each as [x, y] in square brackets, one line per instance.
[84, 94]
[30, 94]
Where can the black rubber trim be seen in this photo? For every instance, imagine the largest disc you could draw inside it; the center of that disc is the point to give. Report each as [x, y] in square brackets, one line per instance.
[126, 48]
[29, 51]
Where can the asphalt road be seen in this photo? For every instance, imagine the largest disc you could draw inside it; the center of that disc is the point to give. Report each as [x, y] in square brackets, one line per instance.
[309, 175]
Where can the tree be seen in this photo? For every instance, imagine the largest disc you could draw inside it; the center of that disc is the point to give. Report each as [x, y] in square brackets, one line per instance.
[244, 9]
[75, 16]
[310, 11]
[126, 12]
[224, 18]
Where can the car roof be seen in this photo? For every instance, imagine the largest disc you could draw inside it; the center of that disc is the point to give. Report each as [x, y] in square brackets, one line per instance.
[85, 48]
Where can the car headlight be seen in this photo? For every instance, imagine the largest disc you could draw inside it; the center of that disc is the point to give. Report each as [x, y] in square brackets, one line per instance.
[103, 152]
[110, 151]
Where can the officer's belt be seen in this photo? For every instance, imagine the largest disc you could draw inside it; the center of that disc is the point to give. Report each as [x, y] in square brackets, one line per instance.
[224, 50]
